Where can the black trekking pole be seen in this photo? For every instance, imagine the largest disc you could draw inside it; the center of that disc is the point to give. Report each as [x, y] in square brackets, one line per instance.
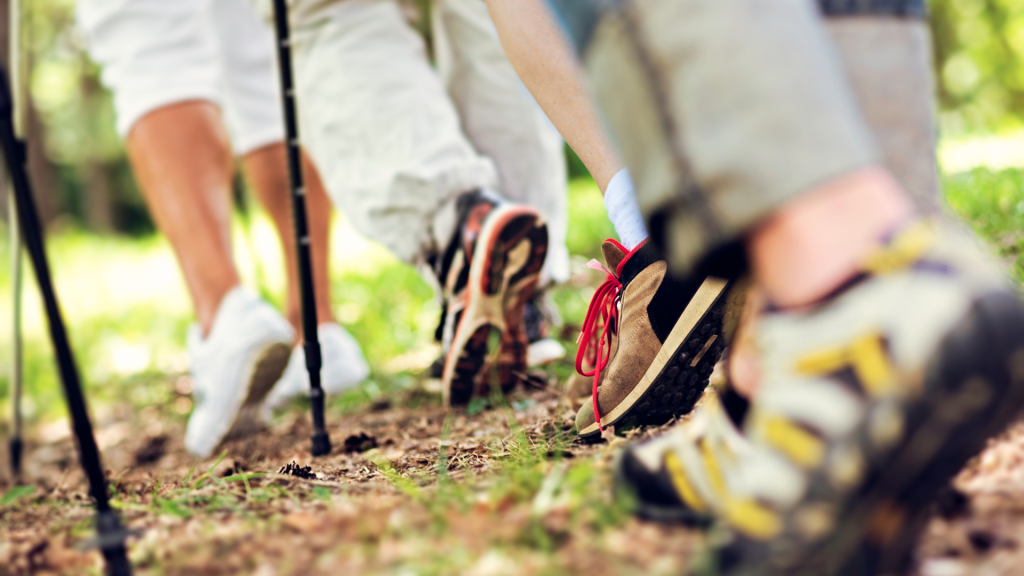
[110, 532]
[311, 342]
[15, 444]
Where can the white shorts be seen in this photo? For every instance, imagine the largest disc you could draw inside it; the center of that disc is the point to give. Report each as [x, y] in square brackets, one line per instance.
[160, 52]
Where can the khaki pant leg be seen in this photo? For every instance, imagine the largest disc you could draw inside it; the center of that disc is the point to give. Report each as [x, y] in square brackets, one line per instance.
[724, 110]
[502, 121]
[380, 126]
[888, 61]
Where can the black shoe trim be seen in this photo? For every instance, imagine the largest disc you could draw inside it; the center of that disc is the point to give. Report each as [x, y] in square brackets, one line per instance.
[668, 303]
[735, 406]
[637, 262]
[653, 493]
[439, 331]
[442, 265]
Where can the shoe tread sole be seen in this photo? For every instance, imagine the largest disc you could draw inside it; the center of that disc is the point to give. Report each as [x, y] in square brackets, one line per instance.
[680, 372]
[266, 371]
[492, 269]
[513, 358]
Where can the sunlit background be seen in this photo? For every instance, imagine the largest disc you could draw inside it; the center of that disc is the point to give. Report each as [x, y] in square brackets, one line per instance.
[126, 303]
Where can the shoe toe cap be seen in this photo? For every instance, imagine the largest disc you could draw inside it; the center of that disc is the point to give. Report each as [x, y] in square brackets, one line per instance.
[585, 416]
[202, 434]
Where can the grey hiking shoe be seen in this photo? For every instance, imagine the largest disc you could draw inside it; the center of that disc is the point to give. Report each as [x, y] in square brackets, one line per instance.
[869, 403]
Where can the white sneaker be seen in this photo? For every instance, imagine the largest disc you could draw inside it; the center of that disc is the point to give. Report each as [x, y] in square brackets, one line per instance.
[343, 367]
[234, 367]
[544, 351]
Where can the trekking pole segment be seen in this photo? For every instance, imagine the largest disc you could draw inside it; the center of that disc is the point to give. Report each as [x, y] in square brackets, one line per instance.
[14, 443]
[311, 342]
[110, 532]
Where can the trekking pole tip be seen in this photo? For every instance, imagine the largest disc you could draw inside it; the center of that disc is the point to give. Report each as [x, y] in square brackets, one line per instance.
[15, 447]
[110, 540]
[321, 443]
[321, 439]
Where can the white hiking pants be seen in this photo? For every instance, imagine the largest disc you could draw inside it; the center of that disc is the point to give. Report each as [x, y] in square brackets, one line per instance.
[395, 140]
[398, 140]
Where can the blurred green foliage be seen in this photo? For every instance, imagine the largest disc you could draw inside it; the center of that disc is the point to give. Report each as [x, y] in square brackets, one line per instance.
[89, 179]
[993, 204]
[979, 51]
[127, 312]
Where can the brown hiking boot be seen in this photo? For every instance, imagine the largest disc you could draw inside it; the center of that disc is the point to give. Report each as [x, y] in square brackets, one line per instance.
[669, 336]
[580, 389]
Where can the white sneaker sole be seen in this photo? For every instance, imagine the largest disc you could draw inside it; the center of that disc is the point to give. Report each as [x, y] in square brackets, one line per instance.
[266, 371]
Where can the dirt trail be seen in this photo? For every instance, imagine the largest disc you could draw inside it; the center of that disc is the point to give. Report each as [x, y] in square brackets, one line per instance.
[413, 489]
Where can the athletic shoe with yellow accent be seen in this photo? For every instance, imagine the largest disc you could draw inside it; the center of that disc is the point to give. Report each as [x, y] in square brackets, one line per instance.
[689, 473]
[488, 273]
[869, 403]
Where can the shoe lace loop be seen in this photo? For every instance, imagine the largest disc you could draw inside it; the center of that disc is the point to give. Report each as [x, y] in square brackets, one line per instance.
[595, 340]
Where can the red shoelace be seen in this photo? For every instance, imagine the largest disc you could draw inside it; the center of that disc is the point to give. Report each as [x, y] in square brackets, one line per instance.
[595, 341]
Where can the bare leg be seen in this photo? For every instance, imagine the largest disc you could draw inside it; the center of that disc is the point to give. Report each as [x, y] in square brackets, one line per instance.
[267, 172]
[547, 65]
[887, 60]
[183, 162]
[814, 244]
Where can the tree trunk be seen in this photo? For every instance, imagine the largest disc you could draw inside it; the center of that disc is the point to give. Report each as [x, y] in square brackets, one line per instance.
[99, 202]
[5, 51]
[97, 195]
[40, 169]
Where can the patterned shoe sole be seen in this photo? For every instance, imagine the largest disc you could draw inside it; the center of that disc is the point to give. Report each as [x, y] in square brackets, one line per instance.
[676, 379]
[267, 370]
[512, 358]
[976, 385]
[498, 259]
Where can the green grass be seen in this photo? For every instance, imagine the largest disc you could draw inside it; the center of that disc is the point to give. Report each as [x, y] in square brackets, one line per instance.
[128, 310]
[993, 203]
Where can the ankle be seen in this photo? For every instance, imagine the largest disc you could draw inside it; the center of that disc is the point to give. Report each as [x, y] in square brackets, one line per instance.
[324, 315]
[208, 304]
[623, 210]
[818, 241]
[293, 315]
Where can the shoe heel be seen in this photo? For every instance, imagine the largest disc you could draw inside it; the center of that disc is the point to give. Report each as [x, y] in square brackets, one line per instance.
[503, 277]
[267, 371]
[471, 365]
[973, 393]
